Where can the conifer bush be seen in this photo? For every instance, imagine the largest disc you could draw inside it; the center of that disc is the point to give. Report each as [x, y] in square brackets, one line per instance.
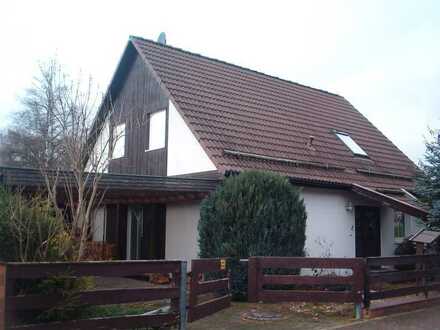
[252, 214]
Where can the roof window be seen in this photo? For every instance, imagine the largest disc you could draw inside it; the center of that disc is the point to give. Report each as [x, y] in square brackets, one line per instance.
[351, 144]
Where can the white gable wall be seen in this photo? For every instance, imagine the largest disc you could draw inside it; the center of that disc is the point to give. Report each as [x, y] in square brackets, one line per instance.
[185, 154]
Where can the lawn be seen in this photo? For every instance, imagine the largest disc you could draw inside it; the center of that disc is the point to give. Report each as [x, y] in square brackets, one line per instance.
[294, 316]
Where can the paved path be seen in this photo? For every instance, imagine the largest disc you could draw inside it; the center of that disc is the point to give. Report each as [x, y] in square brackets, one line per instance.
[426, 319]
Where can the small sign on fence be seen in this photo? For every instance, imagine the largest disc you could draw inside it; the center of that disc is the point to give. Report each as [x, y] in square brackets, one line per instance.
[222, 264]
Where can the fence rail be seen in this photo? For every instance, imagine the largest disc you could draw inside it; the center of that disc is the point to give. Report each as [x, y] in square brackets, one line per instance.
[12, 301]
[418, 273]
[202, 284]
[308, 288]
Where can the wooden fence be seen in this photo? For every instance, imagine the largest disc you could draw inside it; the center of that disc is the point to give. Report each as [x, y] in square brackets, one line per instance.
[11, 301]
[326, 286]
[217, 290]
[407, 275]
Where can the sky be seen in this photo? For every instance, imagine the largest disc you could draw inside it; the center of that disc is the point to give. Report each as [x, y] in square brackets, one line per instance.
[382, 56]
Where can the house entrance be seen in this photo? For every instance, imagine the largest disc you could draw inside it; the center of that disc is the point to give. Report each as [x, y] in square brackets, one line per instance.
[145, 236]
[367, 221]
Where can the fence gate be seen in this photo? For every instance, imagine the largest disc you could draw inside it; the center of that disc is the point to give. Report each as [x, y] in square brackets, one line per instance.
[209, 287]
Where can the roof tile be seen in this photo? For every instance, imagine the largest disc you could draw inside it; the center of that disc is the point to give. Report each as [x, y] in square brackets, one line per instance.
[232, 108]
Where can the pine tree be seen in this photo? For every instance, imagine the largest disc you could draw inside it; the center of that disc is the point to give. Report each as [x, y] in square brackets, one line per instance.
[428, 183]
[252, 214]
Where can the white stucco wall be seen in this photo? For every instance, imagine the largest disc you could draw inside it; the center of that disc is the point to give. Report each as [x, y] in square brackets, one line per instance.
[388, 243]
[330, 230]
[181, 231]
[185, 154]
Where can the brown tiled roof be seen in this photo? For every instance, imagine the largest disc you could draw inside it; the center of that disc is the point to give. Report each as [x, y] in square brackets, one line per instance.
[249, 120]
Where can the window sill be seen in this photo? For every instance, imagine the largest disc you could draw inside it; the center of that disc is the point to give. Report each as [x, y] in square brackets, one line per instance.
[148, 150]
[116, 158]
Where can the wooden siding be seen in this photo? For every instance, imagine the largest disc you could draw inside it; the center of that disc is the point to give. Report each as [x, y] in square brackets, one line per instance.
[139, 95]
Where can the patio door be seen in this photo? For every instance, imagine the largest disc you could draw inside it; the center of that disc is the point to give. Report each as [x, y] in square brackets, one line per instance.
[367, 221]
[135, 232]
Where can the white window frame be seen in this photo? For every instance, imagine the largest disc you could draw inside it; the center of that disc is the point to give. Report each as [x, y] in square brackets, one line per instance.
[351, 144]
[118, 141]
[157, 130]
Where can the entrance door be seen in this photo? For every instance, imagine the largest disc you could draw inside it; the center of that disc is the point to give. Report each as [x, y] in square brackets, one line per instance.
[146, 232]
[367, 220]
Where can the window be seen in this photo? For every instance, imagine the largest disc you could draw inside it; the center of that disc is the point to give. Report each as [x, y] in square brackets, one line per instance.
[351, 144]
[157, 130]
[399, 226]
[118, 141]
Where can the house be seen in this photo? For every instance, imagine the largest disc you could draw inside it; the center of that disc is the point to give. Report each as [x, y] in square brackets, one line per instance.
[187, 121]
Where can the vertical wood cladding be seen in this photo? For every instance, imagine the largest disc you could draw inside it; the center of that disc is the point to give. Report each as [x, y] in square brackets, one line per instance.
[138, 96]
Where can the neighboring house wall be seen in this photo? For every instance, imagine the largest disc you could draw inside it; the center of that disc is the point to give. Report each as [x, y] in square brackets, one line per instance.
[140, 95]
[389, 242]
[181, 231]
[412, 225]
[99, 158]
[185, 154]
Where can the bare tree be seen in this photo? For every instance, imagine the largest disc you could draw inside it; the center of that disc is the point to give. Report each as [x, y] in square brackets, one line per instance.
[57, 135]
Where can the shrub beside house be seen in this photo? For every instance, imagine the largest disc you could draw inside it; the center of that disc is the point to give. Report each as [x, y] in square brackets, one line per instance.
[252, 214]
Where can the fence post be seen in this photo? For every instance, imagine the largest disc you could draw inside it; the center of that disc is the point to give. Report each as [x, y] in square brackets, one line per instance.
[358, 286]
[366, 285]
[182, 296]
[2, 296]
[253, 279]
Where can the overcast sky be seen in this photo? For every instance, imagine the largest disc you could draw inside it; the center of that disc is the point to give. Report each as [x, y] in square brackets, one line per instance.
[383, 56]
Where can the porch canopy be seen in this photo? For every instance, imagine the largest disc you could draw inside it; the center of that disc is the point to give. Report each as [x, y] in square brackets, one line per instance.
[119, 188]
[393, 202]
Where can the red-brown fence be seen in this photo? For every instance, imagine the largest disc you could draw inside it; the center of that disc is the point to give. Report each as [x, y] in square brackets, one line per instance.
[215, 287]
[12, 301]
[390, 277]
[328, 284]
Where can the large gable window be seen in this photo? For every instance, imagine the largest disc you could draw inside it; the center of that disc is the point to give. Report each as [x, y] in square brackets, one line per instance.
[351, 144]
[157, 130]
[118, 141]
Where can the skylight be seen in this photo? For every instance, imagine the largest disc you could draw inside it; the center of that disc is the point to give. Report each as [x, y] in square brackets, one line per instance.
[351, 144]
